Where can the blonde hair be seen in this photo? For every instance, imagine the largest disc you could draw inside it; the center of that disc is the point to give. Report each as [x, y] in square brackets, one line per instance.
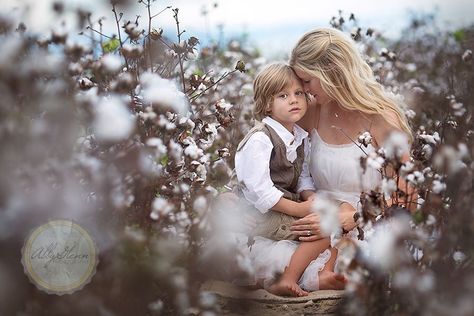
[268, 82]
[332, 57]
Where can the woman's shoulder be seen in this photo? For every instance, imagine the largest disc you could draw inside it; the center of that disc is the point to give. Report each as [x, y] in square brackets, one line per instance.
[382, 125]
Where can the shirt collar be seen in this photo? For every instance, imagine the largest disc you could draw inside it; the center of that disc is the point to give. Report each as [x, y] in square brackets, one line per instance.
[296, 137]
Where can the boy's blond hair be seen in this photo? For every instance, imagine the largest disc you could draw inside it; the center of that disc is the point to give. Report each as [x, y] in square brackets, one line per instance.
[268, 82]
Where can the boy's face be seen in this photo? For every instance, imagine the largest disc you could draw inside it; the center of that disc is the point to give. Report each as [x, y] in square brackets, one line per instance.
[289, 105]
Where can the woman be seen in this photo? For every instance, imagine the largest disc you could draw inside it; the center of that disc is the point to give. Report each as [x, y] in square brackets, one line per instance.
[349, 101]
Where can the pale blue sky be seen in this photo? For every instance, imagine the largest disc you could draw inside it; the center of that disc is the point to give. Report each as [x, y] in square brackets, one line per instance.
[272, 25]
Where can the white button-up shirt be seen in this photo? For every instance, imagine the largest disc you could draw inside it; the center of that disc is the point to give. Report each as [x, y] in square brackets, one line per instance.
[252, 164]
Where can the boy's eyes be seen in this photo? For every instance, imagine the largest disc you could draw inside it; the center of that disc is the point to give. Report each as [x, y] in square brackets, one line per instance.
[285, 95]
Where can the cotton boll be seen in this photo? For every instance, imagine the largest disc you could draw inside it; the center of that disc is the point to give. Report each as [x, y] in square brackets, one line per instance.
[430, 139]
[406, 168]
[389, 186]
[200, 204]
[431, 220]
[11, 45]
[158, 144]
[425, 282]
[111, 63]
[365, 139]
[410, 114]
[192, 150]
[459, 256]
[438, 186]
[381, 248]
[448, 157]
[403, 278]
[467, 55]
[113, 121]
[463, 151]
[396, 145]
[175, 150]
[416, 178]
[207, 299]
[147, 164]
[223, 105]
[328, 212]
[157, 90]
[427, 151]
[375, 161]
[382, 251]
[160, 208]
[156, 306]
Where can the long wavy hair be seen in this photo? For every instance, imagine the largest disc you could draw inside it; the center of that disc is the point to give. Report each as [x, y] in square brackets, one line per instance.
[332, 57]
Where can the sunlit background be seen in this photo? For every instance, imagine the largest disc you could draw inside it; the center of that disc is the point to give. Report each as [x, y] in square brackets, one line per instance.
[133, 137]
[273, 26]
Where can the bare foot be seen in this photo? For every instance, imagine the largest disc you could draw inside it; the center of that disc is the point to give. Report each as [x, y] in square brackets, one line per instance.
[286, 288]
[329, 280]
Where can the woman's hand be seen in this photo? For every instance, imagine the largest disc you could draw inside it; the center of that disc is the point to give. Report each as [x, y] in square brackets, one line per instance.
[346, 216]
[308, 228]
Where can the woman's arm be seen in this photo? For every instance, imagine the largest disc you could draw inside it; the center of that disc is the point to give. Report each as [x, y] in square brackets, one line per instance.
[381, 132]
[311, 223]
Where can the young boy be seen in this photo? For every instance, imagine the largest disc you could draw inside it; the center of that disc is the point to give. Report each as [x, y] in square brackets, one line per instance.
[270, 164]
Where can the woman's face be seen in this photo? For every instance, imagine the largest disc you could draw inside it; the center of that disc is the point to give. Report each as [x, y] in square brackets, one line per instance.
[312, 85]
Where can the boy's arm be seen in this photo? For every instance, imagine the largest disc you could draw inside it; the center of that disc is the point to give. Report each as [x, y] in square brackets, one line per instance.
[292, 208]
[308, 195]
[253, 169]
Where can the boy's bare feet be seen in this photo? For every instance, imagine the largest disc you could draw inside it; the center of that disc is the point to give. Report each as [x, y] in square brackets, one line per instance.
[286, 288]
[328, 280]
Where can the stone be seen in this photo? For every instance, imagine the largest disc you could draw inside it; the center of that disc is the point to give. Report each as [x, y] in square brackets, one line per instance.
[237, 300]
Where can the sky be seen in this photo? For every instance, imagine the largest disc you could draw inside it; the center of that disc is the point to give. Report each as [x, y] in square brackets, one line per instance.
[273, 26]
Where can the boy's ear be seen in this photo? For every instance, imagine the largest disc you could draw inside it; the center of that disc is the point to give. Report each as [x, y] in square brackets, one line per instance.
[268, 109]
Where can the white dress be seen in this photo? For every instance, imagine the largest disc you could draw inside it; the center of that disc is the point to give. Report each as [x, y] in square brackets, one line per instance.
[337, 174]
[336, 170]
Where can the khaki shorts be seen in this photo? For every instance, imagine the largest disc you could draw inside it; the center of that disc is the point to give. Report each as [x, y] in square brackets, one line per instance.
[272, 225]
[275, 225]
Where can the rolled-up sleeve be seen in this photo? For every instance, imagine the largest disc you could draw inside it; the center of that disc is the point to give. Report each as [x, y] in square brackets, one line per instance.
[305, 181]
[252, 166]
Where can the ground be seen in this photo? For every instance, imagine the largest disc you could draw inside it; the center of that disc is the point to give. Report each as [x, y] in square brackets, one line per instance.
[234, 300]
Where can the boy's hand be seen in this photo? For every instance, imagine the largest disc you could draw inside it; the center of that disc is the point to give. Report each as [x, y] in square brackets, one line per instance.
[307, 195]
[312, 197]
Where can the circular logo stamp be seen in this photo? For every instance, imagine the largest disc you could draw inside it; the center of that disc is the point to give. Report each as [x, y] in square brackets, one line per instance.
[59, 257]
